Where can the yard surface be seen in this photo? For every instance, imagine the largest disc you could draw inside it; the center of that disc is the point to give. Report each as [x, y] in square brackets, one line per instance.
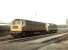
[63, 45]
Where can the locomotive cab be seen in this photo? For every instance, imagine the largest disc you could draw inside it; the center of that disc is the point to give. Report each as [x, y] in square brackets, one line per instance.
[16, 26]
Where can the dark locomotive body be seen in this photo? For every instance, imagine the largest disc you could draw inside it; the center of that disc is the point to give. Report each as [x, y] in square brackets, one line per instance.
[21, 27]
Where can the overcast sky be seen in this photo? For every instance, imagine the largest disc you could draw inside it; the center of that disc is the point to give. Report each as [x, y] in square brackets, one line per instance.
[52, 11]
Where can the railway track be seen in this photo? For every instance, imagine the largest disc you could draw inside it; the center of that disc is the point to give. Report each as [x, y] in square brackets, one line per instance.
[9, 38]
[29, 38]
[37, 42]
[46, 43]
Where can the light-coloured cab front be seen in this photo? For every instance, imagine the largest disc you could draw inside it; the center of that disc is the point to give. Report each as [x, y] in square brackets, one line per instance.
[16, 26]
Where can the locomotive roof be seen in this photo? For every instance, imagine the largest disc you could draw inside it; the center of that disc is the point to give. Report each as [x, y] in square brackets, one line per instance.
[18, 19]
[26, 20]
[32, 21]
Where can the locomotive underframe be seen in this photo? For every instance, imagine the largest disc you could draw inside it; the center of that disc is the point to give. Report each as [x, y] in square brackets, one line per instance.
[31, 33]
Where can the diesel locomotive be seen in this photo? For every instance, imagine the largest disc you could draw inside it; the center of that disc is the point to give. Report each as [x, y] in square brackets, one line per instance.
[21, 27]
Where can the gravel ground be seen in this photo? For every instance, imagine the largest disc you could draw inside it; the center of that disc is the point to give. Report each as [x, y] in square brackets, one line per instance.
[29, 46]
[56, 46]
[18, 46]
[63, 45]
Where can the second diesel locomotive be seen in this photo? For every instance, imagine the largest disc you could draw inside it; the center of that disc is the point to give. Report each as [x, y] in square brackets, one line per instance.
[19, 27]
